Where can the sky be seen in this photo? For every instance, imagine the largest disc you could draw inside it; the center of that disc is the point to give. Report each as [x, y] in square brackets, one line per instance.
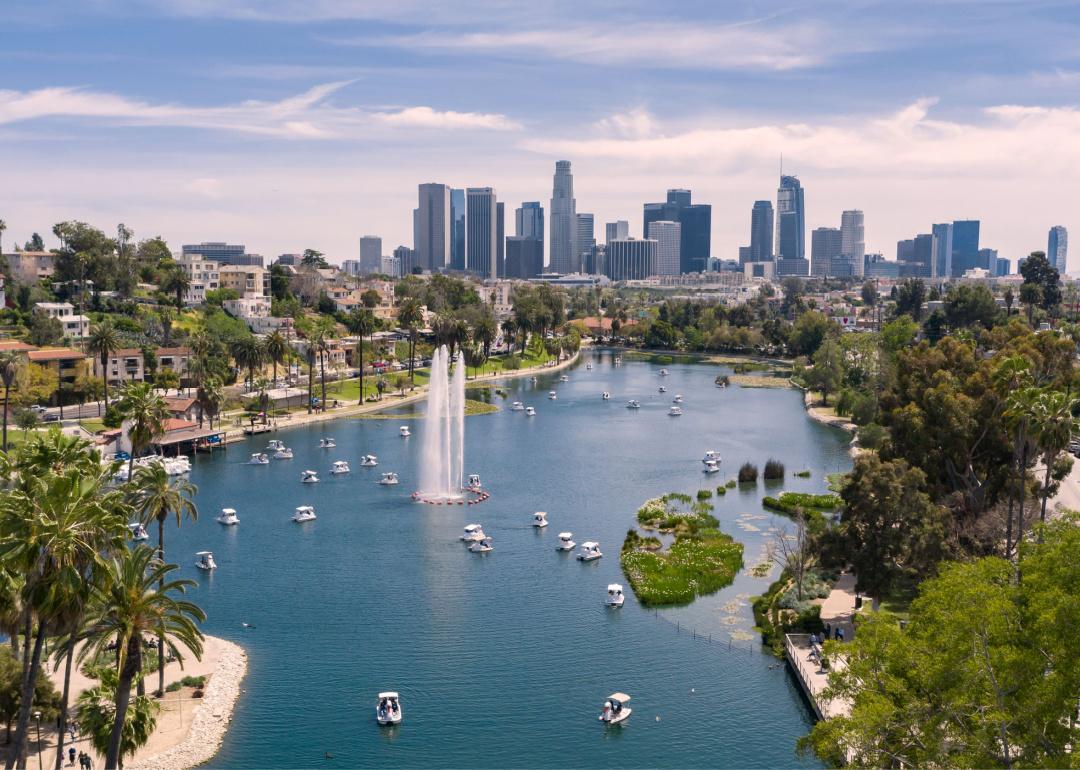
[293, 124]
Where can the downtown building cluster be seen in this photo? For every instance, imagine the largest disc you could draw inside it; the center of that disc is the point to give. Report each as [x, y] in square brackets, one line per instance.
[465, 230]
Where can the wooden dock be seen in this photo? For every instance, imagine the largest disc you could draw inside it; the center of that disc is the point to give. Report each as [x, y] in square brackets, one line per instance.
[812, 678]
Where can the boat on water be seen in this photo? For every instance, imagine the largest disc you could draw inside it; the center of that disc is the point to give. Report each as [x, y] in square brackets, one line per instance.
[304, 513]
[339, 467]
[675, 411]
[283, 454]
[712, 466]
[564, 378]
[138, 532]
[615, 709]
[618, 360]
[614, 595]
[275, 445]
[368, 461]
[474, 481]
[540, 519]
[327, 443]
[205, 560]
[711, 454]
[633, 404]
[566, 542]
[259, 458]
[663, 389]
[388, 709]
[588, 366]
[589, 551]
[530, 412]
[482, 546]
[309, 477]
[517, 406]
[605, 395]
[552, 395]
[228, 517]
[473, 533]
[664, 372]
[535, 380]
[388, 479]
[677, 399]
[404, 431]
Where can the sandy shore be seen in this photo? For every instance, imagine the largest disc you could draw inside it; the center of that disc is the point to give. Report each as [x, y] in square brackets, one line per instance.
[828, 417]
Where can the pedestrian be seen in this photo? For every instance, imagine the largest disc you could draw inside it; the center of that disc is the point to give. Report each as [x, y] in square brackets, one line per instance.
[71, 756]
[828, 630]
[82, 759]
[840, 634]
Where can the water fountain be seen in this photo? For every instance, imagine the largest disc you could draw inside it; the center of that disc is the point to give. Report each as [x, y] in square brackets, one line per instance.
[442, 454]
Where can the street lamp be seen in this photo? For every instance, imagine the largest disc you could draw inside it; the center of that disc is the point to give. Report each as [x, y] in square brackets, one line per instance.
[37, 718]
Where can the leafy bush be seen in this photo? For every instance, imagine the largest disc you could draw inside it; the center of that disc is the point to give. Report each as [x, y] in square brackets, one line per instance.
[704, 494]
[803, 474]
[872, 436]
[721, 490]
[864, 409]
[511, 362]
[730, 484]
[774, 469]
[676, 512]
[193, 681]
[845, 400]
[814, 587]
[748, 473]
[173, 687]
[113, 418]
[788, 502]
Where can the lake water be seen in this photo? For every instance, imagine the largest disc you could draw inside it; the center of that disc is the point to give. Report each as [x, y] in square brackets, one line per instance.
[502, 659]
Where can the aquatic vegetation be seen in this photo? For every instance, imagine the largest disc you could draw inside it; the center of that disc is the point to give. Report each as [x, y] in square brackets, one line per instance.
[704, 494]
[774, 469]
[802, 474]
[788, 502]
[748, 473]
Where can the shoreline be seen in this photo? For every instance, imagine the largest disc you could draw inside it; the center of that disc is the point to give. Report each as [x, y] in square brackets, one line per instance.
[818, 415]
[211, 719]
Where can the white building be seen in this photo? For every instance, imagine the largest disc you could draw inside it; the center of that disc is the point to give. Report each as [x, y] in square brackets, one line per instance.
[853, 239]
[203, 276]
[75, 326]
[668, 237]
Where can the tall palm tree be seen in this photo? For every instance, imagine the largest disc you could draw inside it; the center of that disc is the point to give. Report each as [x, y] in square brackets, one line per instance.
[310, 374]
[210, 397]
[1021, 407]
[320, 343]
[147, 412]
[155, 496]
[137, 596]
[55, 526]
[509, 331]
[411, 317]
[360, 322]
[1053, 427]
[178, 282]
[484, 332]
[248, 354]
[3, 227]
[11, 363]
[460, 335]
[276, 348]
[104, 341]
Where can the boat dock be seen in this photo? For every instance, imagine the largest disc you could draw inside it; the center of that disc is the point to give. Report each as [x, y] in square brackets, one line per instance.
[812, 678]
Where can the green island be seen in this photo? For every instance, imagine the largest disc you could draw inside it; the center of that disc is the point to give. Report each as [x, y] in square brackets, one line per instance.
[700, 561]
[812, 506]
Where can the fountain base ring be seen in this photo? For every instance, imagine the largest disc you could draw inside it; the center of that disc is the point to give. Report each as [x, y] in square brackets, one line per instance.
[470, 496]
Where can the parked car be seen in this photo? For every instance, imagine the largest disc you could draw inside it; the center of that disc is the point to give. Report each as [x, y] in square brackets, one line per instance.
[52, 418]
[37, 408]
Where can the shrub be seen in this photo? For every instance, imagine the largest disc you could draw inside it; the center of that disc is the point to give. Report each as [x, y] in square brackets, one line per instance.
[173, 687]
[864, 409]
[721, 490]
[845, 400]
[774, 469]
[748, 473]
[663, 359]
[872, 436]
[704, 494]
[730, 484]
[789, 501]
[193, 681]
[511, 362]
[803, 474]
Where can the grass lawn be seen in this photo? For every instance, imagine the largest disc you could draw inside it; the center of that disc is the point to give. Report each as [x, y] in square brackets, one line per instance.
[92, 424]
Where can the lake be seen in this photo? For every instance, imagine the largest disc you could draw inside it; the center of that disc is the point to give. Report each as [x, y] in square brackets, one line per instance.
[503, 659]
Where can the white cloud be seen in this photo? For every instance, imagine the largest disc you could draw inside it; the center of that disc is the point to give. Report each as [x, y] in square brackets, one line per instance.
[308, 115]
[637, 123]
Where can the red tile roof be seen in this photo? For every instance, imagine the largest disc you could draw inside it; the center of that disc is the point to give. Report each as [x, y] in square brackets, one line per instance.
[55, 354]
[176, 424]
[15, 345]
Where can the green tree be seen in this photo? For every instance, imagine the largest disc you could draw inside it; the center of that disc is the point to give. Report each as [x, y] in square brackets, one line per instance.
[46, 698]
[136, 597]
[910, 296]
[11, 365]
[104, 342]
[891, 532]
[176, 281]
[97, 716]
[361, 322]
[967, 305]
[156, 496]
[313, 258]
[210, 397]
[276, 348]
[145, 412]
[371, 299]
[1038, 271]
[44, 331]
[898, 334]
[1054, 426]
[248, 354]
[411, 318]
[1031, 294]
[809, 332]
[827, 370]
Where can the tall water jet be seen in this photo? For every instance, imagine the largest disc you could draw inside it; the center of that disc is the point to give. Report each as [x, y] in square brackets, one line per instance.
[442, 453]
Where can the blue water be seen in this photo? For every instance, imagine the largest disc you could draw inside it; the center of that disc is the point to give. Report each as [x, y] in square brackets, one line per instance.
[502, 659]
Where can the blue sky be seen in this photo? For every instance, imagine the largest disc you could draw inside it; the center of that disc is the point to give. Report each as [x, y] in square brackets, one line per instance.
[287, 124]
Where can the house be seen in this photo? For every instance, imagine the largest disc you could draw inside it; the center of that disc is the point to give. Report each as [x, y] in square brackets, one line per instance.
[29, 267]
[128, 364]
[203, 276]
[75, 326]
[66, 362]
[182, 408]
[245, 280]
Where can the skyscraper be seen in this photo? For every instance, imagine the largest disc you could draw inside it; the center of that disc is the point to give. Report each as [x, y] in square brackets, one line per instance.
[1057, 248]
[524, 257]
[825, 245]
[500, 238]
[223, 253]
[370, 254]
[481, 229]
[790, 219]
[922, 256]
[941, 259]
[457, 229]
[668, 237]
[630, 259]
[696, 221]
[406, 259]
[965, 246]
[761, 232]
[432, 227]
[563, 219]
[614, 231]
[529, 220]
[584, 239]
[1003, 266]
[853, 240]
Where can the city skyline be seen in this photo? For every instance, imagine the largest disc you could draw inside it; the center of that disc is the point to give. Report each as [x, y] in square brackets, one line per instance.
[191, 131]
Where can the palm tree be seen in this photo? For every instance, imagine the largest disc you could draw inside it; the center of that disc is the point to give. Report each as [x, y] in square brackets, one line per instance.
[410, 317]
[104, 341]
[156, 495]
[509, 330]
[1053, 427]
[484, 332]
[320, 343]
[178, 282]
[248, 354]
[3, 227]
[361, 322]
[210, 397]
[1021, 407]
[276, 348]
[11, 363]
[460, 335]
[54, 527]
[135, 597]
[145, 409]
[96, 713]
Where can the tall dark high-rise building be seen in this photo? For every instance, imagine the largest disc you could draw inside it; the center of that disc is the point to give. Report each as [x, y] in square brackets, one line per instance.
[922, 255]
[965, 246]
[457, 229]
[761, 232]
[942, 258]
[630, 259]
[406, 259]
[584, 238]
[1003, 266]
[481, 250]
[524, 257]
[825, 245]
[790, 219]
[529, 220]
[695, 220]
[1057, 248]
[431, 227]
[563, 219]
[500, 238]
